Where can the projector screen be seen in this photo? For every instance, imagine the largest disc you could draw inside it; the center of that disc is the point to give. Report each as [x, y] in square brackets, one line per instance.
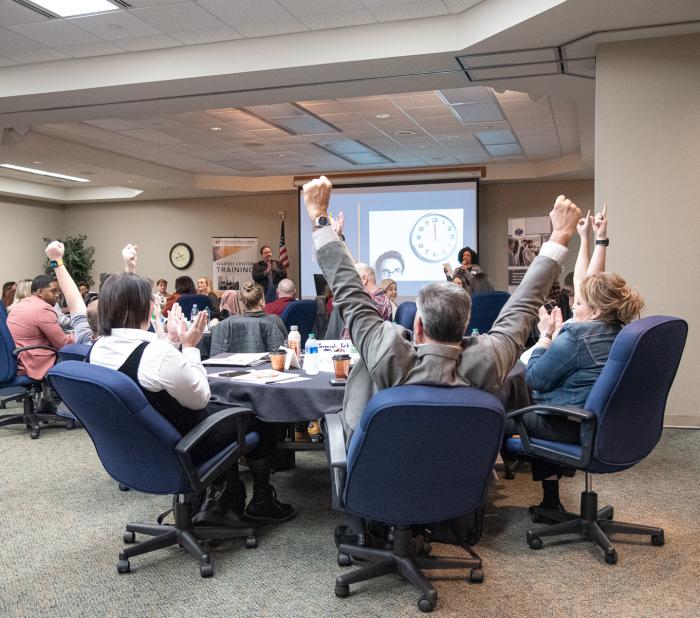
[405, 232]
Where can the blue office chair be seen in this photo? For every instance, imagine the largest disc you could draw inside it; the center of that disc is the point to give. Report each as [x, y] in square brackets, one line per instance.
[485, 309]
[398, 473]
[303, 314]
[73, 351]
[140, 449]
[405, 314]
[14, 387]
[620, 425]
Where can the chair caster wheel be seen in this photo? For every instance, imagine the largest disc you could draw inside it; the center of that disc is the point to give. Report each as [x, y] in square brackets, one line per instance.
[508, 474]
[476, 576]
[123, 566]
[657, 539]
[344, 560]
[70, 424]
[426, 605]
[342, 591]
[426, 549]
[129, 537]
[611, 557]
[612, 512]
[206, 569]
[533, 541]
[123, 487]
[251, 542]
[34, 435]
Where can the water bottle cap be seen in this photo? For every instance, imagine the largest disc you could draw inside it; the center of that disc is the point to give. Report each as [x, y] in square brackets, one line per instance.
[294, 327]
[312, 336]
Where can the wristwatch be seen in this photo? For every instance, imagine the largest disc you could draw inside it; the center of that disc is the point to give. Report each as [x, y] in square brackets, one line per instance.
[56, 263]
[603, 242]
[322, 221]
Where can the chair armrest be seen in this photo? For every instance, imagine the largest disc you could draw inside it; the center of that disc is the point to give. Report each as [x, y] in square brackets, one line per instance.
[587, 433]
[210, 424]
[17, 351]
[335, 440]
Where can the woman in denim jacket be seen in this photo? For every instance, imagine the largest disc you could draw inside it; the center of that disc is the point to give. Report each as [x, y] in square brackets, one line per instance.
[564, 365]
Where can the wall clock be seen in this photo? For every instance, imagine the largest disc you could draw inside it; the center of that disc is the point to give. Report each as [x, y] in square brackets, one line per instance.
[433, 237]
[181, 255]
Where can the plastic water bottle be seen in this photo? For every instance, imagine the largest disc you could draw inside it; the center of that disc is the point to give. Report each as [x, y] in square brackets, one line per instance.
[294, 340]
[475, 332]
[311, 355]
[195, 311]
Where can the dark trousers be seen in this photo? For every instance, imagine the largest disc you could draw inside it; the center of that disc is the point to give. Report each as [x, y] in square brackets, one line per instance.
[546, 427]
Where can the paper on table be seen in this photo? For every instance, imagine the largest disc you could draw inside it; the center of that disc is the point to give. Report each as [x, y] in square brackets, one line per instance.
[241, 359]
[258, 376]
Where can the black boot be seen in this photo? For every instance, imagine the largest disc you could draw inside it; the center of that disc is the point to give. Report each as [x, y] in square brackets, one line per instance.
[224, 502]
[264, 506]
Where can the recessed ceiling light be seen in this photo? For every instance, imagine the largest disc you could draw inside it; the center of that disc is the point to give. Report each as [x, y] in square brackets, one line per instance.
[75, 7]
[400, 133]
[37, 162]
[215, 128]
[252, 143]
[383, 116]
[31, 170]
[283, 155]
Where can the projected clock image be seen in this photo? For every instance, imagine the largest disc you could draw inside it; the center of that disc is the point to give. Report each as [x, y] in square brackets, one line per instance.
[433, 237]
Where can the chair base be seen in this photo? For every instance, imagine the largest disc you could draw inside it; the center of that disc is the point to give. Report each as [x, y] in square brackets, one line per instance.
[593, 523]
[408, 558]
[182, 533]
[30, 418]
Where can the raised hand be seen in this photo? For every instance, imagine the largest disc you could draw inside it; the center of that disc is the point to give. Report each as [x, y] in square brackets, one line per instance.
[600, 223]
[190, 338]
[176, 324]
[564, 216]
[338, 223]
[558, 321]
[54, 250]
[317, 195]
[546, 323]
[130, 255]
[584, 225]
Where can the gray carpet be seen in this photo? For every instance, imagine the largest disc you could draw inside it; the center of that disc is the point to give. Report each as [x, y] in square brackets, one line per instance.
[62, 522]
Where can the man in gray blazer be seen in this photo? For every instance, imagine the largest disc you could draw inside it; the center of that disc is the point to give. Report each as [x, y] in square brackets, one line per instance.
[439, 354]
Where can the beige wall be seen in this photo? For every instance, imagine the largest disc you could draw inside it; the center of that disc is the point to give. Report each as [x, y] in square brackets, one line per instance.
[648, 164]
[156, 226]
[24, 225]
[502, 201]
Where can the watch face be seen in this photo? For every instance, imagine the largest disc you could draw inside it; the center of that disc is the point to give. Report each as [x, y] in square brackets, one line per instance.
[433, 237]
[181, 255]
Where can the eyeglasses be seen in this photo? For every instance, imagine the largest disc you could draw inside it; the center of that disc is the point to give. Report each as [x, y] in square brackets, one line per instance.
[385, 273]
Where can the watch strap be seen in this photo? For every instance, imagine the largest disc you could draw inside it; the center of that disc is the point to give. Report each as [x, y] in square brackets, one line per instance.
[322, 221]
[56, 263]
[603, 242]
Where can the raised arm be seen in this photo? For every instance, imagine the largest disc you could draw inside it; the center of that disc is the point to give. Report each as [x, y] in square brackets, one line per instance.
[582, 260]
[600, 231]
[130, 256]
[74, 299]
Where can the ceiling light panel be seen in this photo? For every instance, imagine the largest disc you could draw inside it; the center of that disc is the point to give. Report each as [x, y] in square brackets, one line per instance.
[292, 118]
[74, 7]
[354, 152]
[504, 150]
[490, 138]
[31, 170]
[478, 112]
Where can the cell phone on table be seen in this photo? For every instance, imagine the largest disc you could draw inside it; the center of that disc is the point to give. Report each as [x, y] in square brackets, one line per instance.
[338, 381]
[231, 374]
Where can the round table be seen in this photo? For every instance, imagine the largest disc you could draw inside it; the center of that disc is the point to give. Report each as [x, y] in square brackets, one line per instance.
[281, 402]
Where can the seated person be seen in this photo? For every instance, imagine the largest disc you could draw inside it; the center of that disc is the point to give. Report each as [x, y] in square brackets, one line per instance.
[286, 293]
[175, 383]
[185, 292]
[204, 288]
[253, 330]
[161, 296]
[230, 304]
[376, 294]
[8, 293]
[391, 290]
[34, 322]
[22, 291]
[439, 355]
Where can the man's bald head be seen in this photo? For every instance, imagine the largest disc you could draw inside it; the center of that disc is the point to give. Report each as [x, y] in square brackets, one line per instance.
[286, 289]
[365, 270]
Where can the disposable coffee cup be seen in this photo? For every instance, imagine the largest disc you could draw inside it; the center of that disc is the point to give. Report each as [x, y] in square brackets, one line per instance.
[277, 358]
[341, 365]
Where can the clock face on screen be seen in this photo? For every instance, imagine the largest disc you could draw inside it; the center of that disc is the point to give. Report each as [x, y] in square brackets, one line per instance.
[433, 237]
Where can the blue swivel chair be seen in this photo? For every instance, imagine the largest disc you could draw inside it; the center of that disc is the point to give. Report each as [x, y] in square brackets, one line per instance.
[485, 309]
[73, 351]
[140, 449]
[22, 388]
[405, 314]
[398, 473]
[302, 313]
[620, 425]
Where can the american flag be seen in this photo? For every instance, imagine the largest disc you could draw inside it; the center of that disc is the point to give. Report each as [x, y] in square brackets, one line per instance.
[284, 259]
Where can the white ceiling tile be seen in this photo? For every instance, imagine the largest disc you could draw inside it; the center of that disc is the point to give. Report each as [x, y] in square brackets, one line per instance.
[208, 35]
[15, 42]
[151, 136]
[12, 14]
[114, 26]
[412, 10]
[271, 28]
[142, 43]
[337, 20]
[300, 8]
[178, 17]
[88, 50]
[35, 55]
[372, 4]
[55, 33]
[245, 11]
[112, 124]
[6, 62]
[457, 6]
